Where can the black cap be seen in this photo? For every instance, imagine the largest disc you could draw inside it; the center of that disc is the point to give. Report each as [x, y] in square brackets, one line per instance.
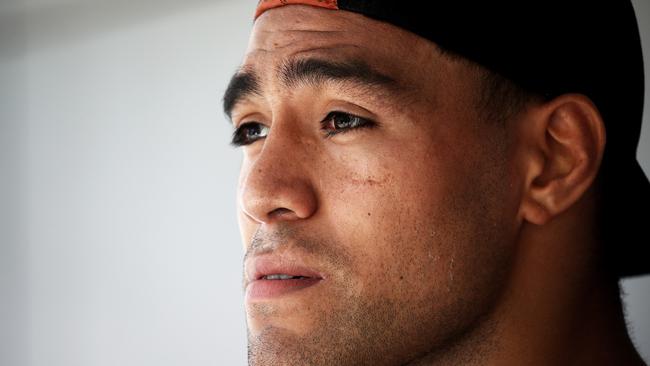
[552, 47]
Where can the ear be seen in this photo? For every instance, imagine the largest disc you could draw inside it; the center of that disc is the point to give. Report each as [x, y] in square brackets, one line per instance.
[563, 148]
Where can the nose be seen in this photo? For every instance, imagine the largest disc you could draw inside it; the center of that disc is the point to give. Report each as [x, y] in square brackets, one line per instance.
[275, 185]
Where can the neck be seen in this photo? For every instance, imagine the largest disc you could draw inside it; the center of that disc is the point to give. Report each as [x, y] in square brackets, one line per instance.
[559, 306]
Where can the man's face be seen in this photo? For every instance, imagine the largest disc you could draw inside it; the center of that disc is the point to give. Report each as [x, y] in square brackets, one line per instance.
[369, 172]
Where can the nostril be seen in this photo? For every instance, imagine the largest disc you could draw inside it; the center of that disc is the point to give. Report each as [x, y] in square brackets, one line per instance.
[280, 212]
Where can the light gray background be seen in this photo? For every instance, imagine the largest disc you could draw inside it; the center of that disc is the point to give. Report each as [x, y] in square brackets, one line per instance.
[118, 238]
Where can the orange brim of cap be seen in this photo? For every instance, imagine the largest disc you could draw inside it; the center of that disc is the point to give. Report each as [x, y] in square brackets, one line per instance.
[265, 5]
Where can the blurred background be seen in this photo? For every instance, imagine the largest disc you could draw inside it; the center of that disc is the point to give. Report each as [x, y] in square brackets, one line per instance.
[118, 237]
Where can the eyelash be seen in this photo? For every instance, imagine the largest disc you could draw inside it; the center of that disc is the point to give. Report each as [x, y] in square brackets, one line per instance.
[239, 136]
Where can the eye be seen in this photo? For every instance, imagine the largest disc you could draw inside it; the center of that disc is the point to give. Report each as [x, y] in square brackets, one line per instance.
[248, 133]
[341, 122]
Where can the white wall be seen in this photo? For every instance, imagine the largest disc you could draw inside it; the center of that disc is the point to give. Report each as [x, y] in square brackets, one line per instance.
[118, 238]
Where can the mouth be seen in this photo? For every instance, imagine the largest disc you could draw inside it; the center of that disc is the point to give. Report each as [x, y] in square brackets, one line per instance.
[282, 277]
[271, 279]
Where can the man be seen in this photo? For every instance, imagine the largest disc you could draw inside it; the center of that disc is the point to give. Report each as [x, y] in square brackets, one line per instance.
[430, 186]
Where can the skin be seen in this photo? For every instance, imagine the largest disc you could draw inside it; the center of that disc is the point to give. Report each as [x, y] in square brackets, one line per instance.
[443, 238]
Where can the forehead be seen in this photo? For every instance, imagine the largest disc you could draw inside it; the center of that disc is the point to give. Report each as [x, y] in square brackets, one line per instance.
[299, 31]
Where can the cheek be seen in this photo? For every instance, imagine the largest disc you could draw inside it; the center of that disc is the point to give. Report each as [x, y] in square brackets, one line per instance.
[246, 226]
[379, 208]
[415, 224]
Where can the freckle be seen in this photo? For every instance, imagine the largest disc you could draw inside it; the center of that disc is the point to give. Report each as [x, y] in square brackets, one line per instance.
[401, 277]
[259, 170]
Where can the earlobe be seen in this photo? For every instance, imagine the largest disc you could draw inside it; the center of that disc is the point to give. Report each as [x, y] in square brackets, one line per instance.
[566, 144]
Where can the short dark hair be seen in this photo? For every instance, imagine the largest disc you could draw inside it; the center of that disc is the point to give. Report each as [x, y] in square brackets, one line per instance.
[498, 98]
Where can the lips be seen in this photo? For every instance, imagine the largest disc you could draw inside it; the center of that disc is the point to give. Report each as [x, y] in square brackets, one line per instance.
[270, 278]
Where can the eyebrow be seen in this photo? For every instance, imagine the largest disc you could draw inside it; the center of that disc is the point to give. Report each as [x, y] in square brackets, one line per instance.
[242, 85]
[310, 71]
